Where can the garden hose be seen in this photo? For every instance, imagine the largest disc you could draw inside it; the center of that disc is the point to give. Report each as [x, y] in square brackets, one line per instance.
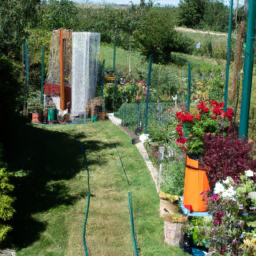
[88, 200]
[130, 206]
[88, 203]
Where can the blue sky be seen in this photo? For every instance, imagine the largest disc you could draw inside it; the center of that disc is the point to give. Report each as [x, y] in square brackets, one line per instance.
[162, 2]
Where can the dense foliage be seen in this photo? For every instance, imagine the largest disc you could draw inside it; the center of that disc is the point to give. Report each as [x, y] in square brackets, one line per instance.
[10, 92]
[6, 201]
[226, 156]
[165, 39]
[206, 14]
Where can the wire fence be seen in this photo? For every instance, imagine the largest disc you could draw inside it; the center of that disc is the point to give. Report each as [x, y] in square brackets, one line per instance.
[162, 112]
[133, 115]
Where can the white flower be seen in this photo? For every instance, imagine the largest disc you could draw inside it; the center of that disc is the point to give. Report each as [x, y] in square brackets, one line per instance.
[225, 193]
[249, 173]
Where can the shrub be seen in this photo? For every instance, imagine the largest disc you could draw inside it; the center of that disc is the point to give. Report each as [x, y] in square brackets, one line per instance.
[6, 209]
[10, 91]
[165, 39]
[173, 176]
[226, 156]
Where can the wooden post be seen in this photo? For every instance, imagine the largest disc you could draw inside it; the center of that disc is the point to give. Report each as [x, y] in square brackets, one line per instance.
[62, 90]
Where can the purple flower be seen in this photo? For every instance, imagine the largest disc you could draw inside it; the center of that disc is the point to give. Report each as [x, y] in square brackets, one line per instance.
[215, 197]
[205, 192]
[214, 230]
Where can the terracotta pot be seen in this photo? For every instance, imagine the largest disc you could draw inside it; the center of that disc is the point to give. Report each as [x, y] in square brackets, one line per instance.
[36, 117]
[102, 115]
[45, 117]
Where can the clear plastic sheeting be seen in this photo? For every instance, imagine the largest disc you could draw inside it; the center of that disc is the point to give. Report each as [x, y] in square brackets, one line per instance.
[85, 63]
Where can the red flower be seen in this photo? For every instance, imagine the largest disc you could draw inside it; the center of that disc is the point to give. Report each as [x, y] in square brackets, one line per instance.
[182, 149]
[198, 117]
[214, 103]
[230, 112]
[181, 140]
[229, 128]
[189, 117]
[213, 117]
[216, 111]
[205, 110]
[221, 105]
[202, 107]
[184, 117]
[179, 128]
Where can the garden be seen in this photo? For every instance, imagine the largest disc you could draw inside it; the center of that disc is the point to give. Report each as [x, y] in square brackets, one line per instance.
[186, 96]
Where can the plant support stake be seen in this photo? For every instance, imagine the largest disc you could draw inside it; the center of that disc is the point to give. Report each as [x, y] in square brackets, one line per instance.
[42, 78]
[62, 89]
[189, 86]
[148, 83]
[248, 71]
[102, 86]
[228, 56]
[27, 77]
[114, 59]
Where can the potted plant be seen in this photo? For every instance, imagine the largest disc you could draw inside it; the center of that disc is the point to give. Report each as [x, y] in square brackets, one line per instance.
[224, 232]
[173, 229]
[36, 114]
[190, 130]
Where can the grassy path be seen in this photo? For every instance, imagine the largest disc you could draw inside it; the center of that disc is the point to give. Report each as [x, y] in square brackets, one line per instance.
[51, 210]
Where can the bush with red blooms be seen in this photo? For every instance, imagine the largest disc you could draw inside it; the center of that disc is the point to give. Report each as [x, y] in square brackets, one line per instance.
[51, 89]
[226, 156]
[205, 119]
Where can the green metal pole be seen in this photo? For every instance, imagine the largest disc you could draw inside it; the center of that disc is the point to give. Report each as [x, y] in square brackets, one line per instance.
[189, 86]
[114, 59]
[103, 84]
[26, 64]
[27, 77]
[115, 86]
[42, 77]
[228, 56]
[148, 83]
[248, 70]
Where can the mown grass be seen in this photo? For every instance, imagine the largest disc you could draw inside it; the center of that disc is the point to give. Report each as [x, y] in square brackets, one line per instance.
[51, 193]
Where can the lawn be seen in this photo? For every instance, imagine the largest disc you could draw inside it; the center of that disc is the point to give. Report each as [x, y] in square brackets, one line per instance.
[51, 190]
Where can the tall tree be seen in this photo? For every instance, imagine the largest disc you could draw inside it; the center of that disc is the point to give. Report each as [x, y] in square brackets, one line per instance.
[16, 16]
[191, 12]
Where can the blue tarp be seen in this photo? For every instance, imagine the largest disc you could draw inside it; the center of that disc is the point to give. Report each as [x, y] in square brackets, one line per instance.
[187, 212]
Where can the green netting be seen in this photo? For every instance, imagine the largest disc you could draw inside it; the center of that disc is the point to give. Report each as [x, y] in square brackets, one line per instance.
[133, 115]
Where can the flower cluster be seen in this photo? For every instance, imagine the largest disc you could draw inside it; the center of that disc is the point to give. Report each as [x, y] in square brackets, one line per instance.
[184, 116]
[202, 108]
[204, 120]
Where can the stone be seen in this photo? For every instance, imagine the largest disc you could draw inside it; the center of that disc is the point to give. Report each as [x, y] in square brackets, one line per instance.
[173, 233]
